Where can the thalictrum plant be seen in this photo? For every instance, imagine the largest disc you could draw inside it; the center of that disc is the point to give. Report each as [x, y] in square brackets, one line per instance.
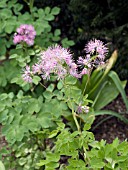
[50, 124]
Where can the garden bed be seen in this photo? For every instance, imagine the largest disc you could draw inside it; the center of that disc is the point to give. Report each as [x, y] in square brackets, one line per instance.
[113, 127]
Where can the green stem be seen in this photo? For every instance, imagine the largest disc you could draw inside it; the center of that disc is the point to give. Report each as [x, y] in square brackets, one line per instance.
[31, 2]
[76, 121]
[42, 85]
[79, 129]
[86, 85]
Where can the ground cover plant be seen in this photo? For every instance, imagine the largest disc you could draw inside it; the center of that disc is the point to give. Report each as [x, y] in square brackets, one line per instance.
[49, 101]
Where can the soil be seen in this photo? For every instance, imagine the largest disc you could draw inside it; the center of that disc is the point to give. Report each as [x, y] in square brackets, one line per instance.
[113, 127]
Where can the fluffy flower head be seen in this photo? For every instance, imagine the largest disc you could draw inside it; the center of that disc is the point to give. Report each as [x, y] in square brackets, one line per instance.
[55, 60]
[97, 49]
[25, 33]
[96, 46]
[27, 75]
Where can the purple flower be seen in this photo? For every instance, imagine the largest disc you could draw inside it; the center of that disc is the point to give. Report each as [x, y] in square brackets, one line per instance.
[25, 33]
[27, 75]
[37, 68]
[55, 60]
[96, 46]
[97, 50]
[81, 109]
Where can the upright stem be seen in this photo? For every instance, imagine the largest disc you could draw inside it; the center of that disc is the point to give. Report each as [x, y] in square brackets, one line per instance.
[78, 128]
[31, 3]
[76, 121]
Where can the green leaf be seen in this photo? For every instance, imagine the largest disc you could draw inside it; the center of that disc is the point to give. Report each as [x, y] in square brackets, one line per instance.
[66, 43]
[108, 112]
[4, 115]
[41, 13]
[3, 4]
[44, 120]
[107, 93]
[3, 96]
[55, 11]
[88, 119]
[36, 79]
[57, 32]
[22, 161]
[70, 80]
[59, 85]
[97, 163]
[53, 133]
[13, 56]
[119, 86]
[47, 10]
[86, 127]
[9, 28]
[31, 52]
[48, 95]
[2, 167]
[49, 17]
[51, 87]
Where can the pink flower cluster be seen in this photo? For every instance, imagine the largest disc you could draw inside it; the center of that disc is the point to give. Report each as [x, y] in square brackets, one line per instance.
[55, 60]
[27, 74]
[25, 33]
[58, 61]
[81, 109]
[98, 50]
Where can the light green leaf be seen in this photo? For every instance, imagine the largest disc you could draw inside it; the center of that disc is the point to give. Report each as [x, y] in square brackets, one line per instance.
[57, 32]
[36, 79]
[49, 17]
[53, 133]
[55, 11]
[2, 167]
[13, 56]
[70, 80]
[51, 87]
[44, 120]
[22, 161]
[47, 10]
[48, 95]
[97, 163]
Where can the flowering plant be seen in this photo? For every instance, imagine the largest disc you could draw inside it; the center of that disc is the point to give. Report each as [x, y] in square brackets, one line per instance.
[25, 34]
[58, 62]
[48, 124]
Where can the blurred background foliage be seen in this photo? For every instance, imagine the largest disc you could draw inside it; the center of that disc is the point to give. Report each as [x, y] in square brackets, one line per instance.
[82, 20]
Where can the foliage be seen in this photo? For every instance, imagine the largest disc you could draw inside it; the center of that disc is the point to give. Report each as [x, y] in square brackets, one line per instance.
[48, 121]
[83, 152]
[12, 17]
[103, 86]
[2, 166]
[30, 121]
[104, 20]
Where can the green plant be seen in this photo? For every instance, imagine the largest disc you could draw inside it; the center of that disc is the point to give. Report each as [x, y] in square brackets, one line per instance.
[2, 166]
[12, 16]
[11, 58]
[50, 117]
[83, 152]
[102, 87]
[102, 19]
